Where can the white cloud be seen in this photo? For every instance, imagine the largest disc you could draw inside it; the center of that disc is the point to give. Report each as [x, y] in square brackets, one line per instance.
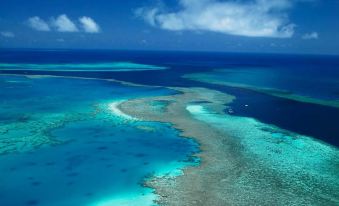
[7, 34]
[63, 24]
[257, 18]
[38, 24]
[89, 25]
[312, 35]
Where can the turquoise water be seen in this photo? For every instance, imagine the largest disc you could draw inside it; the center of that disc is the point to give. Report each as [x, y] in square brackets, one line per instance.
[63, 143]
[111, 66]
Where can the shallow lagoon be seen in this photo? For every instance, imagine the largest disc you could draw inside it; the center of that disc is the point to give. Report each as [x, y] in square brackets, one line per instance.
[73, 148]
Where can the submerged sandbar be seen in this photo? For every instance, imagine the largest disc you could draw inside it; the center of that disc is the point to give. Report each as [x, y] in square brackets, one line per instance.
[88, 67]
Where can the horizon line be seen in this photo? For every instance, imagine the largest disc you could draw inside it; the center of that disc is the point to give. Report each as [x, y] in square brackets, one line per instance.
[170, 50]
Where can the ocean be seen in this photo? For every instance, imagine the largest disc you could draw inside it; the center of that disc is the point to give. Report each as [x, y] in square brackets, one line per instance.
[307, 75]
[62, 136]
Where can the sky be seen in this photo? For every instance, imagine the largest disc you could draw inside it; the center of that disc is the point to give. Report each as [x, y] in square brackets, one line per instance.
[264, 26]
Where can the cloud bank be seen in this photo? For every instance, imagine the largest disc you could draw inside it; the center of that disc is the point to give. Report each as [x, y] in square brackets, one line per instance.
[255, 18]
[312, 35]
[89, 25]
[38, 24]
[64, 24]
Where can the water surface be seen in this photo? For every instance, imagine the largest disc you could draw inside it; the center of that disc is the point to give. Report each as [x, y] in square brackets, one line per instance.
[62, 143]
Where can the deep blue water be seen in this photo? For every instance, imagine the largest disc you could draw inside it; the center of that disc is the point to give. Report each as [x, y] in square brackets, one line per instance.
[303, 81]
[304, 118]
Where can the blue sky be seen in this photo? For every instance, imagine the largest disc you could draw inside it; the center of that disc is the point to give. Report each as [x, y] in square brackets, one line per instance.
[288, 26]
